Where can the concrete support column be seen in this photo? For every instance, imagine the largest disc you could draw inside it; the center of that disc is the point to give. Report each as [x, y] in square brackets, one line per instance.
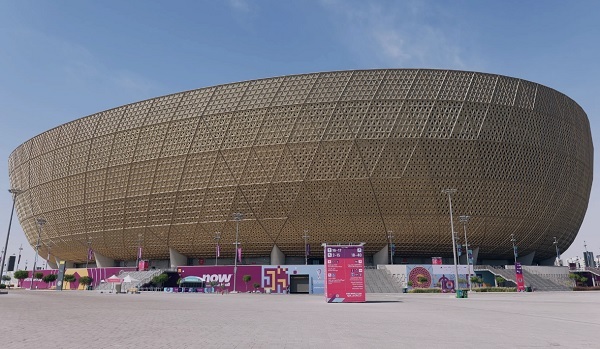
[176, 258]
[526, 260]
[103, 262]
[383, 256]
[277, 257]
[463, 257]
[52, 263]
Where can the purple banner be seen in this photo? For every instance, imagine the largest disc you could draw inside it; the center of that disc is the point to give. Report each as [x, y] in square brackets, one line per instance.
[218, 250]
[222, 276]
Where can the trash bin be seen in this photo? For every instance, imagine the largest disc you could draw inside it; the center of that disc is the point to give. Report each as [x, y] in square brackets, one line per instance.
[405, 290]
[528, 289]
[462, 294]
[117, 288]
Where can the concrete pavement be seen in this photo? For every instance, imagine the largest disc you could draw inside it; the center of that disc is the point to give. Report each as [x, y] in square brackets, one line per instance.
[88, 319]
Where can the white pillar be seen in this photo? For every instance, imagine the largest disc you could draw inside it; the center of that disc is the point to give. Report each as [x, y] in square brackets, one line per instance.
[103, 262]
[277, 257]
[382, 257]
[176, 258]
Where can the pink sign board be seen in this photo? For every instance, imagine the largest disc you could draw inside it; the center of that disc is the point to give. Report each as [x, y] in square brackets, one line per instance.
[344, 274]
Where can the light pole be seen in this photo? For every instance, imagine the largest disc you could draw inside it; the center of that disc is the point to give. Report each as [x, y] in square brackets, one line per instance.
[139, 252]
[89, 246]
[464, 220]
[14, 193]
[305, 236]
[449, 192]
[217, 247]
[390, 239]
[237, 217]
[40, 222]
[557, 253]
[513, 240]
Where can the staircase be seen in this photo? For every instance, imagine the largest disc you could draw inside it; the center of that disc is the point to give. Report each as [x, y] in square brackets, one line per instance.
[141, 277]
[381, 281]
[539, 282]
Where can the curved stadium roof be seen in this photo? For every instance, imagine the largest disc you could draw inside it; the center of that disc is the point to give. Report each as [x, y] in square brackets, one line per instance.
[346, 156]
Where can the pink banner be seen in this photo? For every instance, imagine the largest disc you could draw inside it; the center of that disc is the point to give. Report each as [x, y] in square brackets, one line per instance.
[345, 277]
[239, 254]
[139, 256]
[218, 250]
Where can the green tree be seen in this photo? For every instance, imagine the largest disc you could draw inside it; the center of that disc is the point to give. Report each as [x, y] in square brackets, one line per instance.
[159, 280]
[6, 278]
[476, 280]
[86, 281]
[38, 275]
[500, 280]
[21, 275]
[69, 278]
[247, 279]
[49, 278]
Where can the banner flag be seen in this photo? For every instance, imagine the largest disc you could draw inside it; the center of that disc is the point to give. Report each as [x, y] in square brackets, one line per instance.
[519, 277]
[393, 249]
[218, 250]
[459, 249]
[470, 255]
[308, 249]
[515, 251]
[90, 255]
[139, 256]
[239, 254]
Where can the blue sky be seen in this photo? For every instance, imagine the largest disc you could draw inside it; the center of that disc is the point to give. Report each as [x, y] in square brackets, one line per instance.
[62, 60]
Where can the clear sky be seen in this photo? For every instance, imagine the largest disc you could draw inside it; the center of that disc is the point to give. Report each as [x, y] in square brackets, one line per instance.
[62, 60]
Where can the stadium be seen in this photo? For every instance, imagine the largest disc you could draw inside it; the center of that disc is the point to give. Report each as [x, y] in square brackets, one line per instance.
[335, 157]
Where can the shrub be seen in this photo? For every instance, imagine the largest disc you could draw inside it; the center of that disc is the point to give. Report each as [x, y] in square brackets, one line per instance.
[256, 285]
[69, 278]
[6, 277]
[495, 289]
[581, 288]
[49, 278]
[38, 275]
[86, 280]
[2, 286]
[426, 290]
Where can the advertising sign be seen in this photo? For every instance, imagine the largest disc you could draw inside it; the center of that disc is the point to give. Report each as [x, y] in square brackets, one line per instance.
[519, 277]
[344, 274]
[436, 260]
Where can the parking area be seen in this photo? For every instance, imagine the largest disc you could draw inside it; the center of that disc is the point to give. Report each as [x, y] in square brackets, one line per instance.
[88, 319]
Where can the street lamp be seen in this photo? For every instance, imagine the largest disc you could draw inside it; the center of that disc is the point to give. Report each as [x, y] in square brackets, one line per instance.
[89, 244]
[557, 253]
[449, 192]
[14, 193]
[139, 252]
[390, 239]
[513, 240]
[218, 247]
[305, 236]
[464, 220]
[237, 217]
[40, 222]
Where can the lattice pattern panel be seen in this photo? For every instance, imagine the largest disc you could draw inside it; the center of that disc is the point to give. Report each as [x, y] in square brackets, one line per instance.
[346, 156]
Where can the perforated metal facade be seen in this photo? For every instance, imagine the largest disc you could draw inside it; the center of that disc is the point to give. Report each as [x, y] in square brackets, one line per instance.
[346, 156]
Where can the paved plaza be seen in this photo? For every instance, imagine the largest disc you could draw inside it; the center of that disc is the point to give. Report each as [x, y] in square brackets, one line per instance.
[89, 319]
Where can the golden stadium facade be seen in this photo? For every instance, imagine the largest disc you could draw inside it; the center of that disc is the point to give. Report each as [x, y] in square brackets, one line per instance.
[344, 156]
